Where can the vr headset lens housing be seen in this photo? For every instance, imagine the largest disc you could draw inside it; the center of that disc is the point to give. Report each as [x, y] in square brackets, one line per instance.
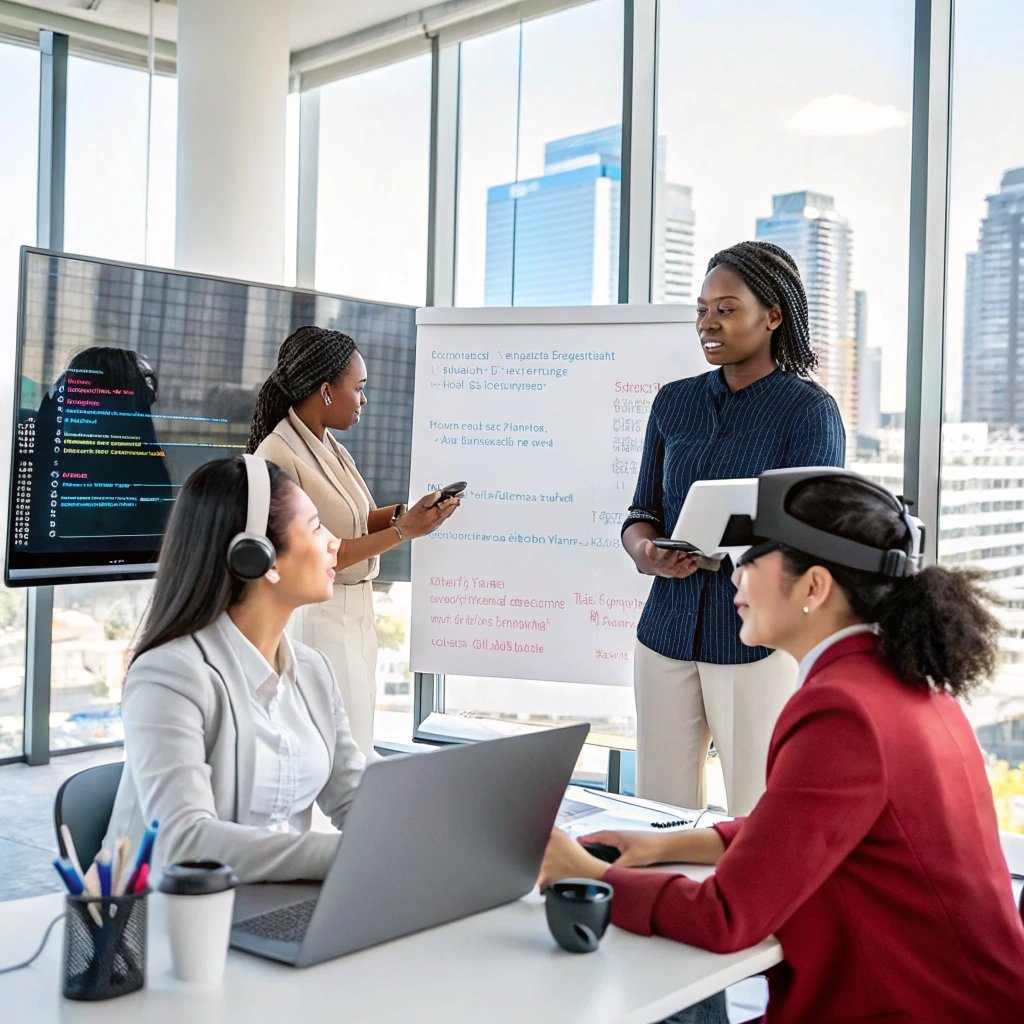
[774, 526]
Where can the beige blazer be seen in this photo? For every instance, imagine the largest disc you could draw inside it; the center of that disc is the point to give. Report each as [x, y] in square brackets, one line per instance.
[328, 474]
[190, 757]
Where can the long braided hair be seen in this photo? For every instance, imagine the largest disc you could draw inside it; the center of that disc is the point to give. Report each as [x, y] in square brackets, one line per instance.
[308, 357]
[773, 276]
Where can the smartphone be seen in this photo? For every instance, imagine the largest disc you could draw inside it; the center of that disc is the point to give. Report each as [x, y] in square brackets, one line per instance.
[676, 545]
[450, 491]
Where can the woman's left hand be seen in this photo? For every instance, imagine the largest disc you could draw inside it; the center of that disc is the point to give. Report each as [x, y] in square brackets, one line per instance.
[565, 858]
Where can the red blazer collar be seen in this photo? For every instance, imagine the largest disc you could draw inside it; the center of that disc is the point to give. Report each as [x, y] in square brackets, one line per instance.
[859, 643]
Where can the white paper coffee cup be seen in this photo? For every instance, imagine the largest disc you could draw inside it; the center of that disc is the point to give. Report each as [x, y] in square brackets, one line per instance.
[200, 898]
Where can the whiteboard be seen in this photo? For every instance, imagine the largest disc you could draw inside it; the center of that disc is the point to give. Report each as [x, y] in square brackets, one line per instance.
[543, 412]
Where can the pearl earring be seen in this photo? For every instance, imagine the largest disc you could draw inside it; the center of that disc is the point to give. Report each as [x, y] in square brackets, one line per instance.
[273, 576]
[807, 611]
[327, 398]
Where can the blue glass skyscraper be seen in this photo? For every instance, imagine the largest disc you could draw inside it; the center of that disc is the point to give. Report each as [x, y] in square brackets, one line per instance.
[554, 239]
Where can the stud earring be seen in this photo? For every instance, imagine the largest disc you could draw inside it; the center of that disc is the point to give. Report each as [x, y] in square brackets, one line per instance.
[327, 398]
[807, 611]
[273, 576]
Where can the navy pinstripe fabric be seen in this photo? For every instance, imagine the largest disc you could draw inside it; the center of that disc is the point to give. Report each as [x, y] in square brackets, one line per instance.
[699, 430]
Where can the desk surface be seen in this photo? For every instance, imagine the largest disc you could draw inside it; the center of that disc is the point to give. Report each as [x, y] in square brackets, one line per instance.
[501, 965]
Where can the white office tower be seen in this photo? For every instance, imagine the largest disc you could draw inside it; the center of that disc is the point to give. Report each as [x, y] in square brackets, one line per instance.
[869, 377]
[672, 279]
[806, 225]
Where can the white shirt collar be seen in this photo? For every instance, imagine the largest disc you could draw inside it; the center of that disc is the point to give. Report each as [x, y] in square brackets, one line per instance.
[808, 660]
[261, 677]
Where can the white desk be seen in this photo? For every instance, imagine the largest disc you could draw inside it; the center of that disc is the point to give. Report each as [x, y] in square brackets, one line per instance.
[498, 966]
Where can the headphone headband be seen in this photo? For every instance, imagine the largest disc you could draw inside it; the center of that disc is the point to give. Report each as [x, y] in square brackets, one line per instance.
[258, 481]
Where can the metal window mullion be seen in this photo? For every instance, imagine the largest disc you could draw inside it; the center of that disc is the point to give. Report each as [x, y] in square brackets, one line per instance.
[53, 97]
[929, 229]
[428, 687]
[309, 179]
[442, 216]
[639, 132]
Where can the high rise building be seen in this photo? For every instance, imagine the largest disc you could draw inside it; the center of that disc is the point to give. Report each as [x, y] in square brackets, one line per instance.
[554, 239]
[869, 374]
[806, 225]
[993, 380]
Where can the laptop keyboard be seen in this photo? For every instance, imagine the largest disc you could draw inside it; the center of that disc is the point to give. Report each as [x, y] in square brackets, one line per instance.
[286, 925]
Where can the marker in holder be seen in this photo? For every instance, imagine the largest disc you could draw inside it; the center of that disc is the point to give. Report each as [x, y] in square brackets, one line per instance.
[108, 959]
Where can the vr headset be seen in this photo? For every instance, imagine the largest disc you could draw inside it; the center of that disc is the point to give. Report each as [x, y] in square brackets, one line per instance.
[774, 525]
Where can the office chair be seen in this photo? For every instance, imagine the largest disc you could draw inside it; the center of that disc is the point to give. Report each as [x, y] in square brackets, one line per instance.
[84, 803]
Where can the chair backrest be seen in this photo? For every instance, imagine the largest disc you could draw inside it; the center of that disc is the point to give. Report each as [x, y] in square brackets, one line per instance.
[84, 803]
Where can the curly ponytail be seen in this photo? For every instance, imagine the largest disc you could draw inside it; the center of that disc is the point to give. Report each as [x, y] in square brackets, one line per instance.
[937, 627]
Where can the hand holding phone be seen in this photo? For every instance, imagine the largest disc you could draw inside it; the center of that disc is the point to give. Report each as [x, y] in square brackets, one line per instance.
[450, 491]
[709, 563]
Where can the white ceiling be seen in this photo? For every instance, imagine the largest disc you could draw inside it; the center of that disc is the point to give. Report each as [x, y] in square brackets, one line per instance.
[312, 21]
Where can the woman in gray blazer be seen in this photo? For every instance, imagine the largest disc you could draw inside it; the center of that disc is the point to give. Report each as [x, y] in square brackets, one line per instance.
[232, 731]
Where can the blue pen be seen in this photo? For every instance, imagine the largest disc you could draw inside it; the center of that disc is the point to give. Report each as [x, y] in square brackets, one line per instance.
[69, 876]
[144, 855]
[103, 871]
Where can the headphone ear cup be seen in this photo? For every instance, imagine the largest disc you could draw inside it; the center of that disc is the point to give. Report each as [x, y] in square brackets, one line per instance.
[250, 555]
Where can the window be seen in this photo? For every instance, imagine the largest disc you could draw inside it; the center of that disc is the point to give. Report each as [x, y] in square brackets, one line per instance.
[120, 205]
[540, 110]
[93, 627]
[373, 183]
[108, 210]
[769, 128]
[982, 521]
[19, 76]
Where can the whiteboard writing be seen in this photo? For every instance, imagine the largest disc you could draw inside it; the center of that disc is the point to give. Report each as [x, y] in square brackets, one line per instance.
[543, 412]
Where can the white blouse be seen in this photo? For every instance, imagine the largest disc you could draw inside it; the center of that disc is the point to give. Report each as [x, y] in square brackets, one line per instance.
[292, 760]
[808, 660]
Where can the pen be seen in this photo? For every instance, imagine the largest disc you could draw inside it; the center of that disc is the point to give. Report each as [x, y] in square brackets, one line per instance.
[69, 876]
[91, 889]
[145, 852]
[69, 849]
[120, 879]
[141, 880]
[103, 870]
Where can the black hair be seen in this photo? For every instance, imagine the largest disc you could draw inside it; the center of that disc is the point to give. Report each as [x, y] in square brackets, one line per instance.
[123, 370]
[307, 357]
[772, 275]
[937, 629]
[193, 584]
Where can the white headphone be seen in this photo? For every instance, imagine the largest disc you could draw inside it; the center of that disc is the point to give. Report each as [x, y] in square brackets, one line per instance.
[250, 553]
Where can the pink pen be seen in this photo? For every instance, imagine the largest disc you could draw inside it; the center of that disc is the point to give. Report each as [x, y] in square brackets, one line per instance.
[141, 879]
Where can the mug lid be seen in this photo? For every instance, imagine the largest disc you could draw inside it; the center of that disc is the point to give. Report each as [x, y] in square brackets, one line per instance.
[198, 878]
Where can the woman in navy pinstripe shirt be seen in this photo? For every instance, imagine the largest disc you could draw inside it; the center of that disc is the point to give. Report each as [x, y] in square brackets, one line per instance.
[759, 409]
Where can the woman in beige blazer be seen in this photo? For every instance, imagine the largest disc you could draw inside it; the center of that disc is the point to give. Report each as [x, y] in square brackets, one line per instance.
[232, 732]
[319, 385]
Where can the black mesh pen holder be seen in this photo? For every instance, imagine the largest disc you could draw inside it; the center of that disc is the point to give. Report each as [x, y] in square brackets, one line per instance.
[104, 946]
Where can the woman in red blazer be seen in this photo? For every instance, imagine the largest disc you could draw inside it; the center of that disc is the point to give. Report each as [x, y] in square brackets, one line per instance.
[874, 854]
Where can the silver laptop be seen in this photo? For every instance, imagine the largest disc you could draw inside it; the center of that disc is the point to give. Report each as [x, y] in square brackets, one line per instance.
[429, 838]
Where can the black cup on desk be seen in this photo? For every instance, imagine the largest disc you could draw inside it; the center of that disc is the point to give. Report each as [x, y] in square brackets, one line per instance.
[578, 911]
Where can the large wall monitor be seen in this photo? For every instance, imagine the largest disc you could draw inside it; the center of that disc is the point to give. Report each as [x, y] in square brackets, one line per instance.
[129, 377]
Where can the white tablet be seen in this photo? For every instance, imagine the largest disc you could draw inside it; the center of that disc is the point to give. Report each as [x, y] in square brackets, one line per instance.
[706, 511]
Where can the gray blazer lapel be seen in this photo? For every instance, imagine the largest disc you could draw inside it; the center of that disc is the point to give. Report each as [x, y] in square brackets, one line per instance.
[221, 658]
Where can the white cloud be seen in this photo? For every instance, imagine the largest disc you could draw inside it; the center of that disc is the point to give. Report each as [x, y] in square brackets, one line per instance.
[840, 114]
